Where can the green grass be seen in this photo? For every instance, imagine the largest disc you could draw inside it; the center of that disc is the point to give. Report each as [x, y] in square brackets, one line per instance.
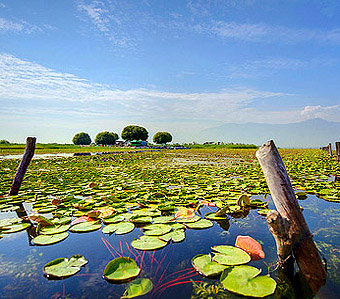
[221, 146]
[53, 148]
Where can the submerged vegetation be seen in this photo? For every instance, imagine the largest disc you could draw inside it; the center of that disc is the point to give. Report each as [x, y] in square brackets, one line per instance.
[154, 201]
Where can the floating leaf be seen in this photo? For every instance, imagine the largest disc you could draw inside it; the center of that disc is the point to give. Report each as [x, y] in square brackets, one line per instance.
[189, 220]
[14, 228]
[81, 220]
[84, 227]
[244, 280]
[212, 216]
[148, 243]
[203, 264]
[243, 200]
[251, 246]
[8, 221]
[118, 228]
[175, 235]
[163, 219]
[113, 219]
[41, 219]
[63, 267]
[230, 255]
[49, 239]
[185, 213]
[138, 287]
[264, 212]
[54, 229]
[156, 229]
[121, 269]
[200, 224]
[141, 219]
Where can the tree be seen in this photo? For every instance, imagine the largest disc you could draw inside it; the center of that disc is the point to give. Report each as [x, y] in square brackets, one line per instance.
[81, 139]
[106, 138]
[133, 132]
[162, 137]
[4, 141]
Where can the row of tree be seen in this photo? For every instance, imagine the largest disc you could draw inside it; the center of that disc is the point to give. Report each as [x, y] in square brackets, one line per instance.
[129, 133]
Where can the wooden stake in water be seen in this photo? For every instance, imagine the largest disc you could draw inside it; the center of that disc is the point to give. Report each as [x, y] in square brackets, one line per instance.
[337, 150]
[281, 190]
[25, 161]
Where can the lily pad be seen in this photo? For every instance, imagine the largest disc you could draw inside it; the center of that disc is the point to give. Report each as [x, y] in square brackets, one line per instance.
[113, 219]
[175, 235]
[204, 265]
[63, 267]
[162, 219]
[201, 224]
[118, 228]
[148, 243]
[121, 269]
[212, 216]
[84, 227]
[49, 239]
[264, 212]
[138, 287]
[8, 221]
[230, 255]
[14, 228]
[156, 229]
[244, 280]
[189, 220]
[54, 229]
[141, 219]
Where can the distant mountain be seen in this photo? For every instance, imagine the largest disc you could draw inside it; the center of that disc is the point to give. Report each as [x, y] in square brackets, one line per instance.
[310, 133]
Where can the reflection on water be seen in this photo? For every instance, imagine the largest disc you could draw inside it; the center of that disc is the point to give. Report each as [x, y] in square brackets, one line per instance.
[170, 268]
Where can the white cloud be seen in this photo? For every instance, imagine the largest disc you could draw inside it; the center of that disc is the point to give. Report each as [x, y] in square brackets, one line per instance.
[318, 111]
[26, 81]
[17, 27]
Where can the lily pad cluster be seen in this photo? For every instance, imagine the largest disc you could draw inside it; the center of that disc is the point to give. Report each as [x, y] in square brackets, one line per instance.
[228, 262]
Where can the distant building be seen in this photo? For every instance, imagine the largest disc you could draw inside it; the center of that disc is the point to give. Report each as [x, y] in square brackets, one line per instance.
[138, 143]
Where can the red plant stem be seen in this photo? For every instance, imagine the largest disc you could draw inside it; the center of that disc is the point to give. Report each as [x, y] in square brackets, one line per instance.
[174, 280]
[113, 248]
[160, 264]
[177, 283]
[141, 260]
[121, 249]
[127, 245]
[107, 247]
[152, 258]
[177, 272]
[190, 272]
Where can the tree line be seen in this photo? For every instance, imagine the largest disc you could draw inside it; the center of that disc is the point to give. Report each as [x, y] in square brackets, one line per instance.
[129, 133]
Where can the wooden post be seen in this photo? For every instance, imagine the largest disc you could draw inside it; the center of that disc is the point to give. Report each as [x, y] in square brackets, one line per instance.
[25, 161]
[337, 150]
[330, 149]
[304, 249]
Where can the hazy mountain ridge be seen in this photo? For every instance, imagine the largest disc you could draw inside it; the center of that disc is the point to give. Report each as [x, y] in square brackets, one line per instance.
[310, 133]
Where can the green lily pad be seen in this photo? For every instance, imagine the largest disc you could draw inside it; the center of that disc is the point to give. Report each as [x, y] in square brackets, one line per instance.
[162, 219]
[121, 269]
[14, 228]
[230, 255]
[83, 227]
[8, 221]
[140, 219]
[189, 220]
[201, 224]
[175, 235]
[176, 226]
[63, 267]
[148, 243]
[51, 230]
[138, 287]
[114, 219]
[205, 266]
[62, 220]
[46, 210]
[212, 216]
[118, 228]
[49, 239]
[244, 280]
[156, 229]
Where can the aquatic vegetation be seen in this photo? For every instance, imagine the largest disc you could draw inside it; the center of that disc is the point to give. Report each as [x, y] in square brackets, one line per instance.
[205, 266]
[138, 287]
[63, 267]
[251, 246]
[121, 269]
[245, 280]
[230, 255]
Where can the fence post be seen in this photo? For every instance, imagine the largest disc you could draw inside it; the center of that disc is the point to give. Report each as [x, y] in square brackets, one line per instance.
[337, 150]
[330, 149]
[25, 161]
[281, 190]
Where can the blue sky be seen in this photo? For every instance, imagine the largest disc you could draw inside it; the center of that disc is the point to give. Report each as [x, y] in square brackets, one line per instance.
[179, 66]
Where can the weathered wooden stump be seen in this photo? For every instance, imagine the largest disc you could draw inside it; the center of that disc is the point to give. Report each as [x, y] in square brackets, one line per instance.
[288, 225]
[25, 161]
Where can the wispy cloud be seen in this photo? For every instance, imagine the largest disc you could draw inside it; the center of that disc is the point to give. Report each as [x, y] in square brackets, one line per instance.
[17, 26]
[27, 81]
[318, 111]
